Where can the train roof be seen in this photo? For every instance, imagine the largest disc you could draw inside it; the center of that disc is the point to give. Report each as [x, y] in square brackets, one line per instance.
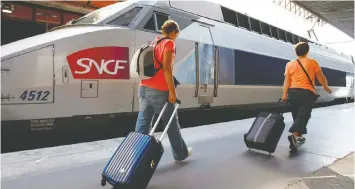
[220, 13]
[210, 11]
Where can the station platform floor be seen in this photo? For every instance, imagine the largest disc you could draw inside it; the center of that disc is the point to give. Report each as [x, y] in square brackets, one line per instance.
[220, 159]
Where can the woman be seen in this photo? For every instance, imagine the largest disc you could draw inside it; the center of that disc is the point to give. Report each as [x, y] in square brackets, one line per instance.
[153, 93]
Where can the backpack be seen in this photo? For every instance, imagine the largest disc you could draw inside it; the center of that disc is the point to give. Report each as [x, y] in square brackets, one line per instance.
[142, 63]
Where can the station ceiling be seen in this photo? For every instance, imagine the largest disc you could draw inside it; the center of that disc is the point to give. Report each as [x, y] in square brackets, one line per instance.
[340, 14]
[83, 7]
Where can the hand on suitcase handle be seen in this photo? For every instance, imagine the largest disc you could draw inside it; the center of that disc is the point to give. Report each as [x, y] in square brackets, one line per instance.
[178, 102]
[278, 104]
[280, 100]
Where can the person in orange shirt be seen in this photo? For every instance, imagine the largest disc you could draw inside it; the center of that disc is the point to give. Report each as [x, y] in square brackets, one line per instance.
[154, 92]
[299, 90]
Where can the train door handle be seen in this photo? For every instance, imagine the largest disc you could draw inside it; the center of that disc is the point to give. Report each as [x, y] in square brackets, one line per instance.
[6, 97]
[5, 69]
[197, 58]
[216, 74]
[65, 77]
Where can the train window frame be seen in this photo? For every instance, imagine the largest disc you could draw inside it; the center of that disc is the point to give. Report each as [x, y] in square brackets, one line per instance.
[254, 25]
[296, 37]
[280, 32]
[226, 13]
[155, 19]
[109, 22]
[241, 23]
[276, 36]
[268, 28]
[302, 39]
[288, 36]
[117, 8]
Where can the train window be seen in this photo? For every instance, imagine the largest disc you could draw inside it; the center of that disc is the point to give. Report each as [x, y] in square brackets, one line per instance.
[282, 34]
[303, 39]
[289, 37]
[126, 18]
[150, 24]
[255, 25]
[274, 32]
[265, 28]
[296, 39]
[243, 21]
[270, 69]
[229, 16]
[101, 14]
[161, 18]
[156, 21]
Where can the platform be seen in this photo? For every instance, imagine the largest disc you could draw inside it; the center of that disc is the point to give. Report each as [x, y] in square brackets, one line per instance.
[339, 174]
[220, 158]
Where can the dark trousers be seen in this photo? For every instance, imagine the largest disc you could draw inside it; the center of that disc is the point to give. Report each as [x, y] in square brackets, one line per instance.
[301, 101]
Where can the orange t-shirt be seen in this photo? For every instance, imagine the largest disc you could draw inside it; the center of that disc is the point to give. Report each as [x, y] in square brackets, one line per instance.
[298, 77]
[158, 81]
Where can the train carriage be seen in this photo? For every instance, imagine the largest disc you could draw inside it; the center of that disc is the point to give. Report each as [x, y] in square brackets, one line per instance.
[76, 77]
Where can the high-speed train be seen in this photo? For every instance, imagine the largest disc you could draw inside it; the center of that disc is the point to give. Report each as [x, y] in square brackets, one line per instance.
[75, 79]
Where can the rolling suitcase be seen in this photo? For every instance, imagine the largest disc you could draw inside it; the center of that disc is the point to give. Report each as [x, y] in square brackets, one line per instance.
[265, 131]
[133, 163]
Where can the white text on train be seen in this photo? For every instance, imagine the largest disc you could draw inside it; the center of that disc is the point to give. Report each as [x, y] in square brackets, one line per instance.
[100, 67]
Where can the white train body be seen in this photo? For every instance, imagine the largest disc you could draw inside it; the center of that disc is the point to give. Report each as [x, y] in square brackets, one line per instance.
[83, 69]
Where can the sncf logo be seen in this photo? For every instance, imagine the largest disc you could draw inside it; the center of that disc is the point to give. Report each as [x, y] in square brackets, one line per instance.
[100, 63]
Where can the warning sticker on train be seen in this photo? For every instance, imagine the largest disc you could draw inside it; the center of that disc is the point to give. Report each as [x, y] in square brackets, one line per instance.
[100, 63]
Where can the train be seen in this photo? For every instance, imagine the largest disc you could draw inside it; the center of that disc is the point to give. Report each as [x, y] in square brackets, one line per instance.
[74, 80]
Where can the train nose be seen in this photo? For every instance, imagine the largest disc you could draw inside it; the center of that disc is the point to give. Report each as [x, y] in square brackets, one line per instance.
[30, 74]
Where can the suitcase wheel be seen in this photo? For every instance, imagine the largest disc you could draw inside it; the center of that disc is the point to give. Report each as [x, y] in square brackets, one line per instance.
[103, 182]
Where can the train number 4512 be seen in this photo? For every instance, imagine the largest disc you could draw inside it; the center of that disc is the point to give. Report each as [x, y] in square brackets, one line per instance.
[38, 95]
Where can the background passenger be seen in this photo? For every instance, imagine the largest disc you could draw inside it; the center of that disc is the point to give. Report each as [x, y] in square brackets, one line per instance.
[153, 93]
[300, 92]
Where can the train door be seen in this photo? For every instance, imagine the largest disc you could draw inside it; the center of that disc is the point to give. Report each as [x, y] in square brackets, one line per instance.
[206, 72]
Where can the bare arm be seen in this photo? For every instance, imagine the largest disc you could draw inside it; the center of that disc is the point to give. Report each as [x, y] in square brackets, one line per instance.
[287, 85]
[322, 79]
[167, 69]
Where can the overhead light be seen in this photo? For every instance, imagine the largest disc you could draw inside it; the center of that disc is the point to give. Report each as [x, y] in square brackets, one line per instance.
[7, 7]
[7, 11]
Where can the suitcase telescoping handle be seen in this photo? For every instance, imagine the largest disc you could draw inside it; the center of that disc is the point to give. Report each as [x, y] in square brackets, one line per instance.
[178, 102]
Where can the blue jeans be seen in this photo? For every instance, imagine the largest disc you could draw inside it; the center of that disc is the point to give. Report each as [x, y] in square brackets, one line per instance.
[152, 101]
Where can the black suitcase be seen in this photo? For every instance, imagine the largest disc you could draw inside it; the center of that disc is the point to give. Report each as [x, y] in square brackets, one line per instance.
[136, 158]
[265, 132]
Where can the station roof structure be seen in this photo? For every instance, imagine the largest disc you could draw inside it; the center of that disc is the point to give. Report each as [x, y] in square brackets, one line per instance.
[83, 7]
[340, 14]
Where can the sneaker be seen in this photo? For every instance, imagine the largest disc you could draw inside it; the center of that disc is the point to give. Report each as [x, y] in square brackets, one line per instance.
[189, 152]
[301, 139]
[293, 142]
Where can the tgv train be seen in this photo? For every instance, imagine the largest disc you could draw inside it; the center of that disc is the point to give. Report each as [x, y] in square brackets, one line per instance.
[75, 79]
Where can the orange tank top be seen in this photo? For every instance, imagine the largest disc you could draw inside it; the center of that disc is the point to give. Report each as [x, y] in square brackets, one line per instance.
[158, 81]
